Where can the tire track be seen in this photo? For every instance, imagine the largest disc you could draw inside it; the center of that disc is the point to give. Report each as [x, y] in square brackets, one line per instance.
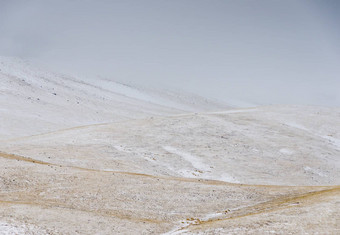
[34, 161]
[182, 179]
[106, 213]
[261, 208]
[298, 198]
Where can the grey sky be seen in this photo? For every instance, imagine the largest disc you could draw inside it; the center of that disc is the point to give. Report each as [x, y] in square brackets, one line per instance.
[263, 51]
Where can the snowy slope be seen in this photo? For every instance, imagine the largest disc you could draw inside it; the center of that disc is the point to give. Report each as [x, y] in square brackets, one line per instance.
[33, 101]
[178, 100]
[138, 160]
[262, 170]
[248, 146]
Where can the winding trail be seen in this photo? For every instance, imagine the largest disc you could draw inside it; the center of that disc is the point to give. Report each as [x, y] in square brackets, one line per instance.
[261, 208]
[302, 197]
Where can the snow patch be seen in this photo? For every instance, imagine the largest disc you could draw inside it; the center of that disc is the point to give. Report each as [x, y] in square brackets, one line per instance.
[228, 178]
[201, 170]
[186, 223]
[120, 148]
[7, 228]
[286, 151]
[295, 125]
[195, 161]
[332, 140]
[314, 171]
[108, 170]
[212, 216]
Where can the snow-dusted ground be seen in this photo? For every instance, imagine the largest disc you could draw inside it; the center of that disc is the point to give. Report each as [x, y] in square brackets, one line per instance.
[255, 147]
[10, 229]
[85, 158]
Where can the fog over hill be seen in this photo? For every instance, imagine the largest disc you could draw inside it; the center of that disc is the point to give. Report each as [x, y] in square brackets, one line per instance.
[266, 52]
[169, 117]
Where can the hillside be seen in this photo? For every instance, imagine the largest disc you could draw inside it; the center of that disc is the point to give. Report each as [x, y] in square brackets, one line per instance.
[34, 100]
[83, 158]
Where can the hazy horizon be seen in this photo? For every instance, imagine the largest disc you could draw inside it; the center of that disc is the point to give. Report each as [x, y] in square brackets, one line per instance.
[261, 52]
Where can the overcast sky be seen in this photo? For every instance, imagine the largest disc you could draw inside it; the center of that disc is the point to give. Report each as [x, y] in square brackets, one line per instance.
[262, 52]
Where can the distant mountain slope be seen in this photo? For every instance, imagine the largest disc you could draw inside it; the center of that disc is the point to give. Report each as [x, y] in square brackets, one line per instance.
[35, 101]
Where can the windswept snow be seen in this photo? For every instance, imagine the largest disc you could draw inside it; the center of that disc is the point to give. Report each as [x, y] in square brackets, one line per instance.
[193, 160]
[200, 169]
[333, 141]
[295, 125]
[286, 151]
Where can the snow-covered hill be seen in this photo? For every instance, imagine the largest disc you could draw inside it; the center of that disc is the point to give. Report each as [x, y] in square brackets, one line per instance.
[33, 101]
[275, 145]
[84, 157]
